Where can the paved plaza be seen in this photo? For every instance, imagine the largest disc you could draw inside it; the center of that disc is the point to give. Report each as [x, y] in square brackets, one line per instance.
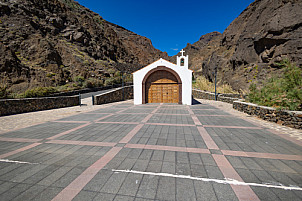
[150, 152]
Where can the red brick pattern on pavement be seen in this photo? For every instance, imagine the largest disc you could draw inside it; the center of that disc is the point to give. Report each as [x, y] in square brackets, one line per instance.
[77, 185]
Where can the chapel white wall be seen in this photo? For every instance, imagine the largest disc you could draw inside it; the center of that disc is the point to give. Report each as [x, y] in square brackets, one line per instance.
[184, 73]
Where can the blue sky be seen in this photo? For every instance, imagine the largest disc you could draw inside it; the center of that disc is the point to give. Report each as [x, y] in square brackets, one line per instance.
[169, 24]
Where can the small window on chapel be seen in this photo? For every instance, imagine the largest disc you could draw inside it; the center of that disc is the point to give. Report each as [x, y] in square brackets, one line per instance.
[182, 62]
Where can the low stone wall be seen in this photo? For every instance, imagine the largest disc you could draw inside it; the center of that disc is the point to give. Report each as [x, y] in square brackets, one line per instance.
[114, 96]
[229, 98]
[88, 90]
[288, 118]
[17, 106]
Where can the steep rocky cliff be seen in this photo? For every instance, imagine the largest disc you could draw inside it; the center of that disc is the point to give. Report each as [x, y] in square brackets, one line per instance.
[49, 42]
[266, 32]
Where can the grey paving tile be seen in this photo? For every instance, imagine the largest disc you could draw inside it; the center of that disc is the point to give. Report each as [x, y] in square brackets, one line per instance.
[154, 166]
[130, 185]
[139, 110]
[213, 172]
[207, 159]
[22, 173]
[54, 176]
[209, 112]
[265, 193]
[198, 171]
[141, 165]
[31, 193]
[142, 199]
[224, 192]
[146, 154]
[99, 133]
[5, 186]
[66, 179]
[123, 198]
[202, 106]
[109, 110]
[223, 121]
[37, 177]
[41, 131]
[172, 111]
[157, 155]
[236, 162]
[183, 169]
[252, 140]
[148, 187]
[166, 189]
[182, 157]
[127, 164]
[98, 181]
[14, 192]
[104, 196]
[168, 167]
[83, 117]
[114, 183]
[170, 156]
[171, 119]
[204, 191]
[85, 195]
[48, 194]
[185, 189]
[9, 146]
[286, 195]
[247, 176]
[125, 118]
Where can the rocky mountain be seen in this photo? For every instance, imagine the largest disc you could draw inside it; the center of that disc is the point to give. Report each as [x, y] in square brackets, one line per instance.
[265, 33]
[200, 51]
[50, 42]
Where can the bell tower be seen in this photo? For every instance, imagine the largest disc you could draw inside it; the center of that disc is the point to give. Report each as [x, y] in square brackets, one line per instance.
[182, 60]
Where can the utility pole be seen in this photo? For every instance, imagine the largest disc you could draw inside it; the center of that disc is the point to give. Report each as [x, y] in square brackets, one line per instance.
[215, 83]
[123, 85]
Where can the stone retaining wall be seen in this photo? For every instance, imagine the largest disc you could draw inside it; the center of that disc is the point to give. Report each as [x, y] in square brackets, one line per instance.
[229, 98]
[17, 106]
[288, 118]
[114, 96]
[88, 90]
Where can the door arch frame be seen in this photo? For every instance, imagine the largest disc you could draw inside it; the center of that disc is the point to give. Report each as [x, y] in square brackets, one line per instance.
[162, 68]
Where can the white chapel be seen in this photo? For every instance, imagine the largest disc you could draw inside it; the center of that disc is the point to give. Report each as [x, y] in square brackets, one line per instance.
[164, 82]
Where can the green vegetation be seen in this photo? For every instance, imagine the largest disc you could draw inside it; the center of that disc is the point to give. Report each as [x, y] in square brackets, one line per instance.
[79, 80]
[283, 91]
[50, 75]
[71, 4]
[97, 19]
[93, 83]
[203, 84]
[112, 81]
[3, 92]
[39, 92]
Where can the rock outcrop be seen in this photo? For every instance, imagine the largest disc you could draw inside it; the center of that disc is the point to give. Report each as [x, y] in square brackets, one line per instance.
[48, 43]
[265, 33]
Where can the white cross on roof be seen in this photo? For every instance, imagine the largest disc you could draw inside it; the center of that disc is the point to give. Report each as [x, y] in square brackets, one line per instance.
[182, 52]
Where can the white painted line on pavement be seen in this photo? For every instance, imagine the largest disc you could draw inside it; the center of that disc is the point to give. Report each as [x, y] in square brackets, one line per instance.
[18, 162]
[225, 181]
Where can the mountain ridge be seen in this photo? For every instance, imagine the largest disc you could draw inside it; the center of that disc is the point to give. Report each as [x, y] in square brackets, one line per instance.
[50, 43]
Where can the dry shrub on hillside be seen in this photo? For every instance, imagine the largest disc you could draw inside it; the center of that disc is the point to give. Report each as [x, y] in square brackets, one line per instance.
[203, 84]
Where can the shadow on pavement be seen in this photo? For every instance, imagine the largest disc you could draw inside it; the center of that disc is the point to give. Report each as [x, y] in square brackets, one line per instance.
[195, 102]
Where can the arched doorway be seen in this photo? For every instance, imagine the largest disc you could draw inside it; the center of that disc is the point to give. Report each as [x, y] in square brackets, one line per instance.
[162, 85]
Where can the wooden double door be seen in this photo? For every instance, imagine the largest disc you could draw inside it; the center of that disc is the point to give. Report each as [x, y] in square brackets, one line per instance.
[162, 87]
